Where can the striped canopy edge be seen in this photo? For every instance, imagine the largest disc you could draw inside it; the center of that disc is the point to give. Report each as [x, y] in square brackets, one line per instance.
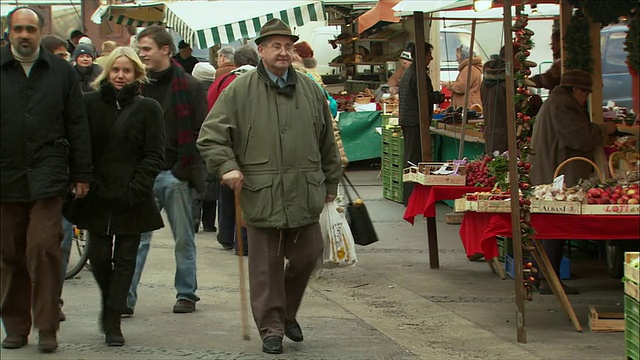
[124, 20]
[245, 29]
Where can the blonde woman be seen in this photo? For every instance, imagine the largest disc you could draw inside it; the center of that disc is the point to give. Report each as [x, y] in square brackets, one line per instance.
[127, 144]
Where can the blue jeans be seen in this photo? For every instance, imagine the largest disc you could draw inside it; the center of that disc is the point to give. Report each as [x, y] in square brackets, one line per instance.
[174, 196]
[67, 230]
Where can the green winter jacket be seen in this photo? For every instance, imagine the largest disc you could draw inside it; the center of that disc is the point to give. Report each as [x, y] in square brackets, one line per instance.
[281, 140]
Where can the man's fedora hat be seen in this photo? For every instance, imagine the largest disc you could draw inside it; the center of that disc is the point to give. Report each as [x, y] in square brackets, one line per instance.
[275, 27]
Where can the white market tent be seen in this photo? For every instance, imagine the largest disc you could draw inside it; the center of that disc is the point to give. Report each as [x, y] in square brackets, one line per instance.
[207, 23]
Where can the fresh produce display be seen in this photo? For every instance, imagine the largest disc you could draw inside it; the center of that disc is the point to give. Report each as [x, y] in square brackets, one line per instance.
[548, 193]
[489, 172]
[486, 195]
[618, 194]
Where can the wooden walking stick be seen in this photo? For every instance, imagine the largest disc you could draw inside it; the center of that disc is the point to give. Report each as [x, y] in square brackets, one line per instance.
[240, 245]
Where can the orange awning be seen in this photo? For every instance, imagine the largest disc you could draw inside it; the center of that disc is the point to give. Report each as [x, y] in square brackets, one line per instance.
[380, 15]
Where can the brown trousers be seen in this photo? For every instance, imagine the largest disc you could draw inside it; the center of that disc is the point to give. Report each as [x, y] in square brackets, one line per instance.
[31, 258]
[276, 292]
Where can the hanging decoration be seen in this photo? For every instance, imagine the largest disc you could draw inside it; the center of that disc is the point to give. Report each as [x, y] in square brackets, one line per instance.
[577, 43]
[522, 44]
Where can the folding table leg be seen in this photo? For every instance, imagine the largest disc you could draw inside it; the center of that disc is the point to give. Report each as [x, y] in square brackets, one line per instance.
[432, 243]
[494, 264]
[545, 266]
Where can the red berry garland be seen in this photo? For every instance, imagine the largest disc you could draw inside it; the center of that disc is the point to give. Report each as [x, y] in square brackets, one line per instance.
[524, 127]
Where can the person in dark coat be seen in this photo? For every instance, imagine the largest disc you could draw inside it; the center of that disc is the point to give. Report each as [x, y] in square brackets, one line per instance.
[127, 134]
[46, 152]
[87, 71]
[494, 100]
[409, 114]
[185, 58]
[562, 130]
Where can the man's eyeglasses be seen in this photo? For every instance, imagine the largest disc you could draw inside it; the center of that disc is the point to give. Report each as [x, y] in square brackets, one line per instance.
[277, 47]
[62, 55]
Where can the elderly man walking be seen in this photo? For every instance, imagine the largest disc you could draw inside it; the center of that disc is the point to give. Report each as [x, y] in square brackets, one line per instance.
[45, 146]
[270, 136]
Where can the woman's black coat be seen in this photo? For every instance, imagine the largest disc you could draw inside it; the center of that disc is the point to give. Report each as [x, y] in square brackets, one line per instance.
[127, 156]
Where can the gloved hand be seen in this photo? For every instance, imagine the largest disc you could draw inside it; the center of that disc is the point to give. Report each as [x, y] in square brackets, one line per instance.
[438, 97]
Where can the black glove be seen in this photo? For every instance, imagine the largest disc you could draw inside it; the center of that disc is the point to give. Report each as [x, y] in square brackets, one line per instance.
[438, 97]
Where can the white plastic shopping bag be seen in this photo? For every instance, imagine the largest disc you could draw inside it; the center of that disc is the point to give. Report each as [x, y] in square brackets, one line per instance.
[339, 248]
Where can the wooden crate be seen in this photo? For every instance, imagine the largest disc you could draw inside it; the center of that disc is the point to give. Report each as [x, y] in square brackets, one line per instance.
[494, 206]
[630, 273]
[622, 209]
[418, 175]
[460, 205]
[603, 321]
[556, 207]
[631, 289]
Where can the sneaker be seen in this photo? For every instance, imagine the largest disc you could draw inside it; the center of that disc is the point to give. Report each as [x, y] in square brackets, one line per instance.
[184, 306]
[15, 341]
[128, 312]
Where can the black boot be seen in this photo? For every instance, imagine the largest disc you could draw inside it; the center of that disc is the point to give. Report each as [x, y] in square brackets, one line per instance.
[113, 334]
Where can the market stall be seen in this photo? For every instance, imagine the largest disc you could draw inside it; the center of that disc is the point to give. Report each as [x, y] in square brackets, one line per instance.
[520, 219]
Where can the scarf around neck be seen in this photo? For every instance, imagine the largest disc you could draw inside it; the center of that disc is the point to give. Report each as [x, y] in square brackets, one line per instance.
[184, 115]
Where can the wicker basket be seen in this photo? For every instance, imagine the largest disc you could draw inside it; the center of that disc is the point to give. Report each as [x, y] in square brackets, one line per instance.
[362, 99]
[620, 163]
[562, 164]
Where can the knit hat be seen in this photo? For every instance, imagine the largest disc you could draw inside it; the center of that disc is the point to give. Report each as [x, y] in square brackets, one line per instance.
[203, 71]
[406, 53]
[577, 78]
[303, 49]
[464, 52]
[84, 49]
[275, 26]
[85, 40]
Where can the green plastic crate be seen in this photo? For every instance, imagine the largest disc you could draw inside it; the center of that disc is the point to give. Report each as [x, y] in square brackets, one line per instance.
[632, 308]
[393, 194]
[632, 336]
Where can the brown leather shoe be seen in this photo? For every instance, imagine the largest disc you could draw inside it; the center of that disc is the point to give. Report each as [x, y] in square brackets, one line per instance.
[15, 341]
[47, 341]
[184, 306]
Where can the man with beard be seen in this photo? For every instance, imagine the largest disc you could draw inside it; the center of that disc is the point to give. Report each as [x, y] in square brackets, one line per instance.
[184, 101]
[270, 137]
[45, 147]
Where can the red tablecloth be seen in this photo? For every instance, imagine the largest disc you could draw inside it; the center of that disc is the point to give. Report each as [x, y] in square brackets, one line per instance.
[423, 198]
[479, 230]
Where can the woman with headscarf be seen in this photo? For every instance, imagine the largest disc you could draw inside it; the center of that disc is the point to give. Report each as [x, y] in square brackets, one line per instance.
[459, 86]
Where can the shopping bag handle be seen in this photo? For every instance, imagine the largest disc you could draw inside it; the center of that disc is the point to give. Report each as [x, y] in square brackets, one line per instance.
[346, 188]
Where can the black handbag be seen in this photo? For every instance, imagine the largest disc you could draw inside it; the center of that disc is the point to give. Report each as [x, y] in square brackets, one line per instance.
[358, 217]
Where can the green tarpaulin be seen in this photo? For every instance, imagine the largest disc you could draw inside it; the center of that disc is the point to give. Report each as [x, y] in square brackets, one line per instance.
[360, 137]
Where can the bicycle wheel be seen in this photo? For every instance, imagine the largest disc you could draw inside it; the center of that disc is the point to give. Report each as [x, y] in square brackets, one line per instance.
[78, 255]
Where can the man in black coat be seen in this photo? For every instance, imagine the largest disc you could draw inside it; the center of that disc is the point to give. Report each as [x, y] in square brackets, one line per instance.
[45, 146]
[184, 103]
[409, 114]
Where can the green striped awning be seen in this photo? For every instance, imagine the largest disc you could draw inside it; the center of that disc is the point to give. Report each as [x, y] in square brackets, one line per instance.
[124, 20]
[134, 14]
[204, 24]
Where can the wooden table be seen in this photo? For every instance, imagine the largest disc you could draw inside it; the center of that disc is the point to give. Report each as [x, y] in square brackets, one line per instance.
[423, 202]
[478, 232]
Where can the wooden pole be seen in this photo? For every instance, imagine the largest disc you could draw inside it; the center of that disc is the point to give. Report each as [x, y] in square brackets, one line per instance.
[423, 97]
[566, 10]
[425, 123]
[243, 287]
[465, 106]
[513, 177]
